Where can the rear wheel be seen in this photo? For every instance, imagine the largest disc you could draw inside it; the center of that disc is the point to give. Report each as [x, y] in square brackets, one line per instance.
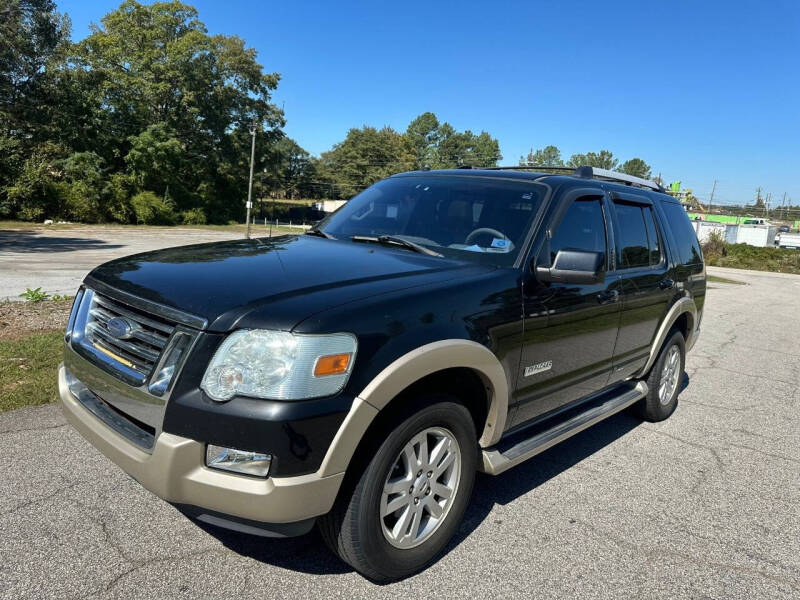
[410, 498]
[664, 380]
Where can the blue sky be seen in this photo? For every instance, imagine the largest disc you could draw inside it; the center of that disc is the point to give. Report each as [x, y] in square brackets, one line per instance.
[700, 90]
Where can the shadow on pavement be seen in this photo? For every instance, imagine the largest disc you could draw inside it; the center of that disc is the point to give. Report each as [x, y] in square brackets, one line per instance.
[305, 554]
[28, 241]
[309, 554]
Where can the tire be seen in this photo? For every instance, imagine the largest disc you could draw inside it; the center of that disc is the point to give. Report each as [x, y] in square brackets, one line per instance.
[360, 528]
[664, 380]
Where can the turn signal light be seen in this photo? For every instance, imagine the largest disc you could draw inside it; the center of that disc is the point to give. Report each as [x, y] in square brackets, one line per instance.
[333, 364]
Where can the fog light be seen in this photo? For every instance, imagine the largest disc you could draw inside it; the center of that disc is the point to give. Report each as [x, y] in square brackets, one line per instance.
[238, 461]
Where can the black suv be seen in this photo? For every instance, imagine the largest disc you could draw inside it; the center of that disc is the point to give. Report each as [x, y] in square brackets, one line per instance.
[358, 375]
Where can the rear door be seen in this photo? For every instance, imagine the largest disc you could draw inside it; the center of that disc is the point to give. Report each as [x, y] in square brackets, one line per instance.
[569, 329]
[645, 280]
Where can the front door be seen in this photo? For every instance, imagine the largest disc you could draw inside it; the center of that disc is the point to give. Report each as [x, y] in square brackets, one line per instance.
[569, 329]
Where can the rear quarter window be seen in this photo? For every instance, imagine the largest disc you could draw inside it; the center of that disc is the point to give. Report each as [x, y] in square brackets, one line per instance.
[688, 249]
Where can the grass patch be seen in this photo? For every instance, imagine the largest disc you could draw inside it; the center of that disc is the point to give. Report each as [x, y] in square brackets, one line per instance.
[716, 279]
[718, 253]
[29, 369]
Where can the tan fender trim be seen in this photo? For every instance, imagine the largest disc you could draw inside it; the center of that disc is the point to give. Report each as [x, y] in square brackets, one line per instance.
[404, 371]
[684, 305]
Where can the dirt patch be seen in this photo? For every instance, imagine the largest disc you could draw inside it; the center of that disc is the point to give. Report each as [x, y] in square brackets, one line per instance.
[20, 319]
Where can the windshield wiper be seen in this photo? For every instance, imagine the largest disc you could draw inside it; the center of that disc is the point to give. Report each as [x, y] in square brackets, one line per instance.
[320, 233]
[392, 240]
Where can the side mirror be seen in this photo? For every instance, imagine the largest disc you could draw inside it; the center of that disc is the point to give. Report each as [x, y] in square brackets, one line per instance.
[574, 266]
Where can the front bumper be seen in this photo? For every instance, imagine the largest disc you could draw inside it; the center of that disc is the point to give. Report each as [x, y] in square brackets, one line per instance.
[175, 471]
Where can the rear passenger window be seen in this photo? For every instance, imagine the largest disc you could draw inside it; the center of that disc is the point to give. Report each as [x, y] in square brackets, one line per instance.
[653, 241]
[632, 243]
[583, 228]
[685, 236]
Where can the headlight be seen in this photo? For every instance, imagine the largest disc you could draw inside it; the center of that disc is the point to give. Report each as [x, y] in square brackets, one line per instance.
[279, 365]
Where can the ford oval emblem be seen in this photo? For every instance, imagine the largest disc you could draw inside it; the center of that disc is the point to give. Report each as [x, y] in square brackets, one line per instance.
[120, 328]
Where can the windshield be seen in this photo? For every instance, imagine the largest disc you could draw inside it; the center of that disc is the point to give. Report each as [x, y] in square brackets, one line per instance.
[470, 218]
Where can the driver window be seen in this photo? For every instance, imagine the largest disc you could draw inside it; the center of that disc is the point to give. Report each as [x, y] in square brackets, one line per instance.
[583, 228]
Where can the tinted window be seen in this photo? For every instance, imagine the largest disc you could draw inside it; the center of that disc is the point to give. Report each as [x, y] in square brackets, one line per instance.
[653, 241]
[471, 218]
[633, 246]
[582, 228]
[685, 236]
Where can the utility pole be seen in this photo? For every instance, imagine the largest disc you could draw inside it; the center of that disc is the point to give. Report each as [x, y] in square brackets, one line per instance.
[250, 185]
[783, 203]
[766, 205]
[711, 200]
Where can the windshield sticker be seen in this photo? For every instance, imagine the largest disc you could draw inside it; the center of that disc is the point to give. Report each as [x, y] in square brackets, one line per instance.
[499, 243]
[391, 211]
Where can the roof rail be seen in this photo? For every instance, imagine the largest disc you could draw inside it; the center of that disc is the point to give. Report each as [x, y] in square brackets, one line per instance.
[587, 172]
[595, 173]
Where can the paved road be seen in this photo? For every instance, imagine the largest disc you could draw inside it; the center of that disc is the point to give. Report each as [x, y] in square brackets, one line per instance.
[58, 259]
[704, 505]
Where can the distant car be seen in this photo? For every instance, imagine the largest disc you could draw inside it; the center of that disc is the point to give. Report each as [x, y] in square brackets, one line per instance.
[784, 229]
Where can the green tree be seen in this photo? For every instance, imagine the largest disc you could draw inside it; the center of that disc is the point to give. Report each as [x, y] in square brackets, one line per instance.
[455, 149]
[32, 34]
[162, 88]
[602, 160]
[365, 156]
[424, 135]
[289, 169]
[636, 167]
[549, 156]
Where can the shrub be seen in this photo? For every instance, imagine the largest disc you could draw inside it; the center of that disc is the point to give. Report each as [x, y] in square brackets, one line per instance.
[80, 202]
[117, 193]
[35, 194]
[715, 245]
[743, 256]
[152, 210]
[193, 216]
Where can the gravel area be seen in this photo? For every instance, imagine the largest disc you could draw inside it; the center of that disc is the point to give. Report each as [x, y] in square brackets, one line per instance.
[18, 319]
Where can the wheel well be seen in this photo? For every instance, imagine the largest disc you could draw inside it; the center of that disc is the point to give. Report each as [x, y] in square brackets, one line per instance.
[460, 382]
[682, 325]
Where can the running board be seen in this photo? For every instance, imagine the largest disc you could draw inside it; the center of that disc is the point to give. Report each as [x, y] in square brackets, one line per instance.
[497, 460]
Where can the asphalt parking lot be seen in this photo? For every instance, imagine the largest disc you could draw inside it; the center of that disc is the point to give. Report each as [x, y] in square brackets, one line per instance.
[703, 505]
[58, 259]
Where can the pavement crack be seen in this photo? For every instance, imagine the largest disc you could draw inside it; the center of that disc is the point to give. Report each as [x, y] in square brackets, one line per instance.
[40, 499]
[749, 407]
[24, 429]
[765, 453]
[659, 553]
[711, 449]
[142, 564]
[716, 367]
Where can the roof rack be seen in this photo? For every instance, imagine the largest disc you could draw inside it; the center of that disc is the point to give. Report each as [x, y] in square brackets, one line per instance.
[586, 172]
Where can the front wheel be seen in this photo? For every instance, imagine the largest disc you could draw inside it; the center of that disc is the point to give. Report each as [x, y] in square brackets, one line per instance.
[410, 498]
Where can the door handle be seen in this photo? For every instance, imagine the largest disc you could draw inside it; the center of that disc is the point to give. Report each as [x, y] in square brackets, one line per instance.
[666, 284]
[608, 296]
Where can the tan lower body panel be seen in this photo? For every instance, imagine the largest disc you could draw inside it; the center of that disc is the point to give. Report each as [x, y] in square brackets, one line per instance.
[176, 472]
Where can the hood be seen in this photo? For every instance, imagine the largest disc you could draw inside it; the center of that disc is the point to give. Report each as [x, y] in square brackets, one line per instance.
[285, 279]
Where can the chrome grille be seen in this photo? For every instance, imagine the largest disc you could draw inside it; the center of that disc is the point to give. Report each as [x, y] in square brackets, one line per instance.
[141, 348]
